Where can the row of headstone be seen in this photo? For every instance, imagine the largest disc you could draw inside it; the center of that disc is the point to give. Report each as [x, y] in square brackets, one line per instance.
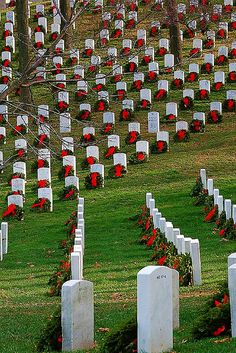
[223, 204]
[184, 245]
[77, 300]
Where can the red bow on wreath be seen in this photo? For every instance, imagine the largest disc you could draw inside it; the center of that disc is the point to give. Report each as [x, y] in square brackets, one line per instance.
[54, 36]
[87, 137]
[120, 94]
[140, 156]
[85, 115]
[108, 128]
[186, 102]
[221, 59]
[117, 33]
[21, 153]
[221, 33]
[192, 77]
[139, 43]
[137, 85]
[42, 138]
[11, 210]
[101, 106]
[68, 169]
[42, 183]
[94, 179]
[161, 93]
[161, 51]
[126, 51]
[110, 152]
[194, 52]
[90, 160]
[214, 115]
[62, 105]
[130, 24]
[70, 193]
[39, 45]
[203, 94]
[218, 85]
[153, 31]
[125, 114]
[152, 75]
[147, 59]
[160, 145]
[181, 134]
[197, 125]
[118, 170]
[133, 136]
[6, 63]
[88, 52]
[232, 76]
[39, 204]
[40, 163]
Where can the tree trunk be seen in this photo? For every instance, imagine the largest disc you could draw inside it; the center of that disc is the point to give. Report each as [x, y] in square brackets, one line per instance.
[174, 30]
[66, 13]
[24, 47]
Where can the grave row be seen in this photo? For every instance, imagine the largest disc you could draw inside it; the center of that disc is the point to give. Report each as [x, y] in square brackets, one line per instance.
[219, 201]
[184, 245]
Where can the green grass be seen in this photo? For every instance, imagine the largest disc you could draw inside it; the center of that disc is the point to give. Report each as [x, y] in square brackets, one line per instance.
[112, 255]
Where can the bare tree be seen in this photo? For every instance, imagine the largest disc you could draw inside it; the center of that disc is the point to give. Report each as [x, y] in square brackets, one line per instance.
[23, 45]
[66, 12]
[174, 30]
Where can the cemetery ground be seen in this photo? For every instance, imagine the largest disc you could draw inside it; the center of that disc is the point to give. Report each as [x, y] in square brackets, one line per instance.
[113, 255]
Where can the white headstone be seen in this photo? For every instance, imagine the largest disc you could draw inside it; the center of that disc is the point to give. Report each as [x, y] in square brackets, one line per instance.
[77, 315]
[155, 310]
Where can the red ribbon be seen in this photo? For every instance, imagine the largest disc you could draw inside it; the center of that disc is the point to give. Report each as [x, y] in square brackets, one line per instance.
[108, 128]
[40, 204]
[160, 145]
[137, 85]
[133, 136]
[68, 168]
[94, 179]
[70, 193]
[210, 214]
[11, 210]
[110, 152]
[118, 170]
[42, 138]
[40, 163]
[90, 160]
[161, 93]
[181, 134]
[162, 260]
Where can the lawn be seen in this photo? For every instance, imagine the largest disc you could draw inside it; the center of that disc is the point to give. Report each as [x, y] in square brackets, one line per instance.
[113, 255]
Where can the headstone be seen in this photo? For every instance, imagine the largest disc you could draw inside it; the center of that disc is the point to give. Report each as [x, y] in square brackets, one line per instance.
[18, 185]
[153, 122]
[76, 265]
[203, 177]
[232, 297]
[155, 309]
[72, 180]
[148, 198]
[210, 187]
[196, 262]
[228, 208]
[77, 315]
[4, 231]
[232, 259]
